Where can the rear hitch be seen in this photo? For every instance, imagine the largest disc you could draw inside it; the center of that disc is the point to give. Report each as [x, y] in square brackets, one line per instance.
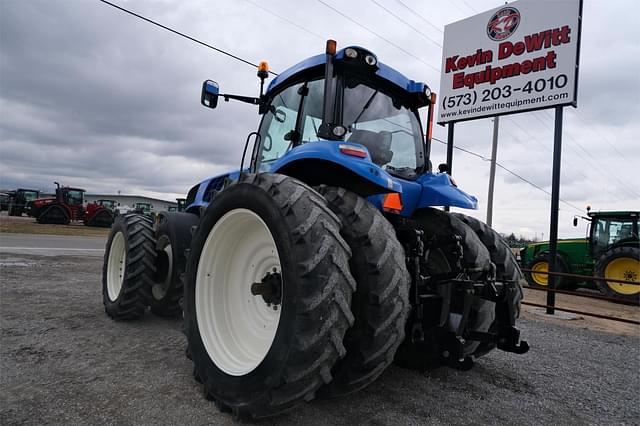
[508, 338]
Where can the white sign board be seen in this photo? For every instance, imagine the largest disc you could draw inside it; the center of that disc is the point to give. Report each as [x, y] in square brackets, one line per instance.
[514, 58]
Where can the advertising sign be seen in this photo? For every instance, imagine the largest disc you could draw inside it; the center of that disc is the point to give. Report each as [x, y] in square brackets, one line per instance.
[514, 58]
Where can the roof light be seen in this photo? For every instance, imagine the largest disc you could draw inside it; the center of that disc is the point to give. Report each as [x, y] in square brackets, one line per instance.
[331, 47]
[427, 91]
[352, 150]
[370, 60]
[351, 53]
[263, 66]
[392, 203]
[339, 131]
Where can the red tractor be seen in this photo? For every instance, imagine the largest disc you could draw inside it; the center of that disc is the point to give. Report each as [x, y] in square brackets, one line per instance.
[101, 213]
[68, 206]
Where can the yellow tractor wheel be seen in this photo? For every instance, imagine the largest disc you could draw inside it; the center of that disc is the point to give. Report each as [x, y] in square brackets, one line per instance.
[539, 267]
[620, 263]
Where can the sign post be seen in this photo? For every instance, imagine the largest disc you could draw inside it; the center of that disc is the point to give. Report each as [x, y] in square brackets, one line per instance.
[519, 57]
[492, 171]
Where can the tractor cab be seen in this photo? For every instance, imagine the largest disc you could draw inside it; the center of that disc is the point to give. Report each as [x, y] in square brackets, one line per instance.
[143, 208]
[344, 118]
[354, 103]
[611, 229]
[19, 199]
[26, 195]
[107, 204]
[70, 196]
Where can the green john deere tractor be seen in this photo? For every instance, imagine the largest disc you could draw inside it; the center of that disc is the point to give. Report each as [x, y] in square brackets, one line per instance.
[611, 250]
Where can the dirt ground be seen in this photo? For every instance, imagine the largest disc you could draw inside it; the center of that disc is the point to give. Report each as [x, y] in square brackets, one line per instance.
[63, 361]
[601, 307]
[28, 225]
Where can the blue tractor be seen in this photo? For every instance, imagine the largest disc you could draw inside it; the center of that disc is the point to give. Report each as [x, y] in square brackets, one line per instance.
[322, 260]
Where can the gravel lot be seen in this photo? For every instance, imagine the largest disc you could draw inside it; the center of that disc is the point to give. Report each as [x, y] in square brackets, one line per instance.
[64, 362]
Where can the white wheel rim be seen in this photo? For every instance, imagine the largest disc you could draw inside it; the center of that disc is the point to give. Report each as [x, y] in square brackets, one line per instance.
[115, 266]
[237, 328]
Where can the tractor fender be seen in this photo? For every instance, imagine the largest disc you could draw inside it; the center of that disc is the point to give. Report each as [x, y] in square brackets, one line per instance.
[206, 190]
[437, 190]
[323, 162]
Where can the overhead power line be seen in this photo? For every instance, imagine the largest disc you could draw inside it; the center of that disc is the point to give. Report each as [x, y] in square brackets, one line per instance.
[289, 21]
[224, 52]
[538, 187]
[364, 27]
[419, 16]
[406, 23]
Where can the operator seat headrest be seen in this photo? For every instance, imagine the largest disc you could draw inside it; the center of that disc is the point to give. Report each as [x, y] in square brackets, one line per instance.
[378, 144]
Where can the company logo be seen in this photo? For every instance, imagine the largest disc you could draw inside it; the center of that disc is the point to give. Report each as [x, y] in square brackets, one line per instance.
[503, 23]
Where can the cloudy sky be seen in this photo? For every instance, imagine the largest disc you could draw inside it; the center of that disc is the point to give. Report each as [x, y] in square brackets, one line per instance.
[96, 98]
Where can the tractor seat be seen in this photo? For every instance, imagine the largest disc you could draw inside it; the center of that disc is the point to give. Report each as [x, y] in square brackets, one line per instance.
[378, 144]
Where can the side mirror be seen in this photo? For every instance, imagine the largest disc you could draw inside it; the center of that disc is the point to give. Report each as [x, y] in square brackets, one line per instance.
[575, 221]
[210, 92]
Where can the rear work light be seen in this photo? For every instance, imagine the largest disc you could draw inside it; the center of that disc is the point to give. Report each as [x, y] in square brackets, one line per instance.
[354, 151]
[392, 203]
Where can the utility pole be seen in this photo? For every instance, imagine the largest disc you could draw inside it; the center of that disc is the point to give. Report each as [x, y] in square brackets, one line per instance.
[492, 173]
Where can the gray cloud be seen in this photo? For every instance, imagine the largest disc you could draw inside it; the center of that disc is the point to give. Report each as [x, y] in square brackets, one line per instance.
[96, 98]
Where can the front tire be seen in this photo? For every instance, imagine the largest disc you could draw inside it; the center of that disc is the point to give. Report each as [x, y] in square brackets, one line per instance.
[129, 267]
[273, 230]
[381, 301]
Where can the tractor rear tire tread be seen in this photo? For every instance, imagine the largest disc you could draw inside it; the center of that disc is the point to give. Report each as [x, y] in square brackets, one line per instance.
[381, 302]
[322, 313]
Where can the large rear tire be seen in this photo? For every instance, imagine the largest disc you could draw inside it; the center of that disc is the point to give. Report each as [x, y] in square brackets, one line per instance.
[267, 295]
[620, 263]
[173, 235]
[381, 301]
[129, 267]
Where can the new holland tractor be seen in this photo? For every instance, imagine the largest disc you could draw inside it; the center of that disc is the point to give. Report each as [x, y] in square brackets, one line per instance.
[308, 271]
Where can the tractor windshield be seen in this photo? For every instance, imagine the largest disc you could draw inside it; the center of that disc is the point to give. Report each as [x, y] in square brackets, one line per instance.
[383, 123]
[109, 204]
[386, 126]
[30, 195]
[609, 231]
[74, 197]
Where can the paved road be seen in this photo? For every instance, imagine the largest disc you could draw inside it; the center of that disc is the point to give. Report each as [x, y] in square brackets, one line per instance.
[52, 245]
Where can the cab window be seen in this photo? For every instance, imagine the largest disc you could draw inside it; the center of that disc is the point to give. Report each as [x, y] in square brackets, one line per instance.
[279, 123]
